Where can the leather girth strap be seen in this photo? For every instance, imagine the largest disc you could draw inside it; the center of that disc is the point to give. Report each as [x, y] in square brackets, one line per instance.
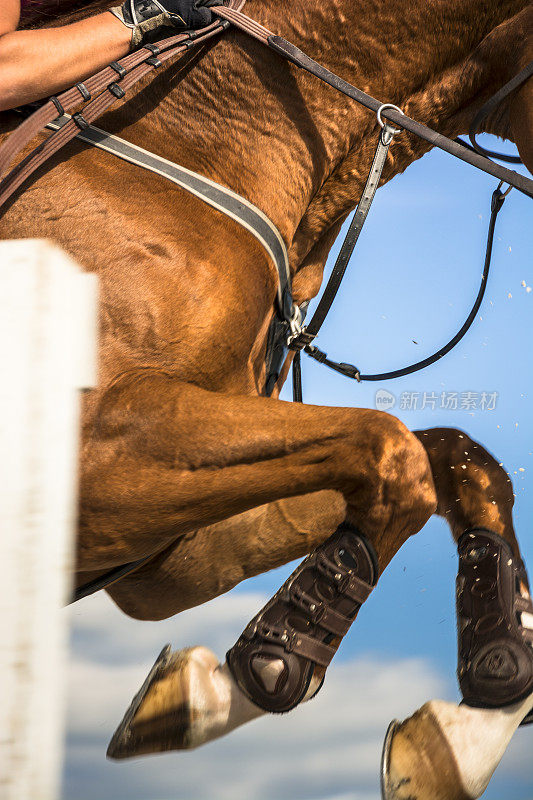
[302, 626]
[495, 649]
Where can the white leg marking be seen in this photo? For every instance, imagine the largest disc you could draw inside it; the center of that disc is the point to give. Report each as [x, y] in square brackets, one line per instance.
[527, 620]
[478, 738]
[220, 705]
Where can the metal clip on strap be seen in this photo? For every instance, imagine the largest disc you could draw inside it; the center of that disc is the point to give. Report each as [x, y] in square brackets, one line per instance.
[298, 643]
[303, 340]
[350, 240]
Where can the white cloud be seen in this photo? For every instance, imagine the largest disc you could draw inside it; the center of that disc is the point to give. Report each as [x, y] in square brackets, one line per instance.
[104, 634]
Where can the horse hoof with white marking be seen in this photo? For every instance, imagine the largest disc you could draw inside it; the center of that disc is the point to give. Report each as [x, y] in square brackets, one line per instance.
[188, 699]
[447, 752]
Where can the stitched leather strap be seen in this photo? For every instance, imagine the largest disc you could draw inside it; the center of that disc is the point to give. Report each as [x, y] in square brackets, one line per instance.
[140, 64]
[220, 197]
[306, 336]
[346, 582]
[300, 59]
[292, 642]
[319, 613]
[311, 649]
[136, 65]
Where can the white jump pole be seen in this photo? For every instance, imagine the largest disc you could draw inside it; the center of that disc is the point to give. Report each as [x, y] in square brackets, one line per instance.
[47, 353]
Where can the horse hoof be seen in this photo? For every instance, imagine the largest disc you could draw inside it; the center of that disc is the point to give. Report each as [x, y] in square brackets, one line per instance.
[161, 716]
[447, 752]
[187, 699]
[417, 762]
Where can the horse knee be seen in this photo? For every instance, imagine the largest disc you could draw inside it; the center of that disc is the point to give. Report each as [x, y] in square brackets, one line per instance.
[408, 477]
[399, 486]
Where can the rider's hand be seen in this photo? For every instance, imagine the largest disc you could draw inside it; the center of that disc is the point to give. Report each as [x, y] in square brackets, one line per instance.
[146, 16]
[190, 13]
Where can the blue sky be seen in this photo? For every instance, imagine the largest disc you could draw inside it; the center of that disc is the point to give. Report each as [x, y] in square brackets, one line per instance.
[412, 280]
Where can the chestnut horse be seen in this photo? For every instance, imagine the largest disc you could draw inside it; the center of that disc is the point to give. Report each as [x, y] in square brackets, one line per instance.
[184, 460]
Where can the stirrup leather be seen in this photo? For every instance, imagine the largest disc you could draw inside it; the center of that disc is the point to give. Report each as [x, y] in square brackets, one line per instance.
[495, 650]
[302, 626]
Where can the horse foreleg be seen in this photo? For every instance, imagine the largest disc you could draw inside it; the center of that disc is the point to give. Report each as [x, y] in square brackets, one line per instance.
[473, 489]
[241, 452]
[165, 458]
[445, 751]
[475, 496]
[210, 561]
[191, 688]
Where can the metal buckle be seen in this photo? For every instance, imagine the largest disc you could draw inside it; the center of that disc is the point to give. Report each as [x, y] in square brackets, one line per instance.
[295, 323]
[313, 608]
[339, 575]
[386, 127]
[275, 634]
[504, 194]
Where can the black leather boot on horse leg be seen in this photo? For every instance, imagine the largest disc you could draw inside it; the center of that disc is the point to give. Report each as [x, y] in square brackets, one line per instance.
[495, 658]
[447, 753]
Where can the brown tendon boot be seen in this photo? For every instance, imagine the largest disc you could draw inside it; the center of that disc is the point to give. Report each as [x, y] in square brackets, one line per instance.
[301, 627]
[495, 648]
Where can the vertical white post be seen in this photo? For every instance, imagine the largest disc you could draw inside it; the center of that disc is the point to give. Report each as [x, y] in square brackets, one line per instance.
[47, 353]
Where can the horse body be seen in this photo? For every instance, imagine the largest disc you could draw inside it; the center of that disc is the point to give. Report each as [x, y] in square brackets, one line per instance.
[182, 458]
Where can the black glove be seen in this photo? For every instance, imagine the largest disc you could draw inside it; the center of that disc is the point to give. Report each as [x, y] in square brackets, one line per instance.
[194, 13]
[146, 16]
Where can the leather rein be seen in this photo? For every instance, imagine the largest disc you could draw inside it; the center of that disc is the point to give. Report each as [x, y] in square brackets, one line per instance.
[100, 91]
